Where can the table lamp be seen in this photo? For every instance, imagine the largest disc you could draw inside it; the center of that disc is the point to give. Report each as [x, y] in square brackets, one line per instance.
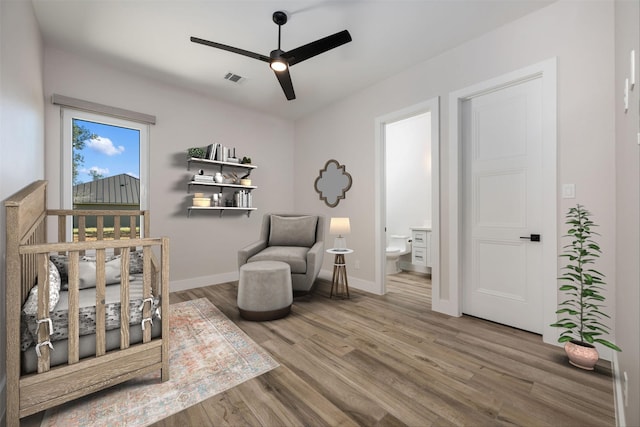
[339, 226]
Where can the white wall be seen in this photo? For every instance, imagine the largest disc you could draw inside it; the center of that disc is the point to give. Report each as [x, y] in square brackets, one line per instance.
[203, 247]
[408, 174]
[579, 34]
[628, 207]
[21, 124]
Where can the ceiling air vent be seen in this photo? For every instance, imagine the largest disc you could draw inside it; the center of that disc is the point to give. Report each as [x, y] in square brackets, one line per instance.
[234, 78]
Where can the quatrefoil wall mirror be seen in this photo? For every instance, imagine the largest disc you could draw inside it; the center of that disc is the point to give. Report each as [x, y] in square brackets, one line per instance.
[332, 183]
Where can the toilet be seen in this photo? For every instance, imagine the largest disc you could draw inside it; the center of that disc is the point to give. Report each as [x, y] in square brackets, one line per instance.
[398, 245]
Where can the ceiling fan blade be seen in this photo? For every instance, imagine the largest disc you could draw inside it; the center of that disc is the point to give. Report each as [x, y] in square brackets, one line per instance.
[285, 81]
[317, 47]
[231, 49]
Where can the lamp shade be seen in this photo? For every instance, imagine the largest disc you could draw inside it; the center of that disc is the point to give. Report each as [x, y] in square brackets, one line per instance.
[339, 226]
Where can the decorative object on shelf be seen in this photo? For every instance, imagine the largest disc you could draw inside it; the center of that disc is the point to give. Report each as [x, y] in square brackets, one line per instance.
[233, 158]
[246, 160]
[202, 201]
[218, 177]
[582, 311]
[196, 152]
[339, 226]
[244, 179]
[332, 183]
[232, 178]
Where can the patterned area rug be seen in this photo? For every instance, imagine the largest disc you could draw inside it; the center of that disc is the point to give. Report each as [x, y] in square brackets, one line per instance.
[209, 354]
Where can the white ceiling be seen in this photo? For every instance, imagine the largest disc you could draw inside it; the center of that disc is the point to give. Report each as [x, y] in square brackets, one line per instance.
[151, 37]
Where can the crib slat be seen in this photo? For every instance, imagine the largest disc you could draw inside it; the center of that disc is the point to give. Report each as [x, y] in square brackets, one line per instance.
[100, 303]
[100, 227]
[146, 291]
[62, 228]
[43, 311]
[116, 232]
[147, 224]
[82, 232]
[124, 299]
[74, 308]
[164, 293]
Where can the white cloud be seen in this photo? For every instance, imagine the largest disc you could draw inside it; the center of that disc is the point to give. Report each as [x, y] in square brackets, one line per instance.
[105, 146]
[98, 170]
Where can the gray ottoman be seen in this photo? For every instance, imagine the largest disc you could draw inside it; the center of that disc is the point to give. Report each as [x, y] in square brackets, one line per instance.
[264, 290]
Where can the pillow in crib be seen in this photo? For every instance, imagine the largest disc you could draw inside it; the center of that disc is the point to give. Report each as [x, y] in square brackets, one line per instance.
[87, 273]
[136, 262]
[30, 307]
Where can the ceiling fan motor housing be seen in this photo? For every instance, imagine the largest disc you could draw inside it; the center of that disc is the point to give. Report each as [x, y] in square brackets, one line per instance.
[279, 17]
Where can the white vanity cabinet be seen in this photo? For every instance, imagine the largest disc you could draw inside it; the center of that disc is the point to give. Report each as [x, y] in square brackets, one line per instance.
[421, 246]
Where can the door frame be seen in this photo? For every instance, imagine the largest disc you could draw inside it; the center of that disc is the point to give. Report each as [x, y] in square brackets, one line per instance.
[431, 106]
[547, 71]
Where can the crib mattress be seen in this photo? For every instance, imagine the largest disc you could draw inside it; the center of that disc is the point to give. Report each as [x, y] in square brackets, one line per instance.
[87, 313]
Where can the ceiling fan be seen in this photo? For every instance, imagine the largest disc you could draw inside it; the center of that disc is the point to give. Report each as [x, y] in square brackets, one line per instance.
[279, 60]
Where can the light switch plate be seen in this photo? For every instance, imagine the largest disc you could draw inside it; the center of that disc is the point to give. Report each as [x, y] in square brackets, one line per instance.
[568, 191]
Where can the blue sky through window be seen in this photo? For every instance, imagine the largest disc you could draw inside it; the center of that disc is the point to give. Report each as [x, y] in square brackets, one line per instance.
[115, 151]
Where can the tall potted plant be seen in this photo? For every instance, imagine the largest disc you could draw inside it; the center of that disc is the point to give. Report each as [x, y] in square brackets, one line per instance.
[582, 310]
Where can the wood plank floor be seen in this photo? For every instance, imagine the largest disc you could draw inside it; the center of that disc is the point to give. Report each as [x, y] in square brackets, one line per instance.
[390, 361]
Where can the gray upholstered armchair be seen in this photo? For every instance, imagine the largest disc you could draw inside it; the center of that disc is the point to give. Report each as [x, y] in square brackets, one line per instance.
[296, 239]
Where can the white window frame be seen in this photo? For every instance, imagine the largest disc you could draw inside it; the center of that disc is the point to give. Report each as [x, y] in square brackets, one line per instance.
[66, 185]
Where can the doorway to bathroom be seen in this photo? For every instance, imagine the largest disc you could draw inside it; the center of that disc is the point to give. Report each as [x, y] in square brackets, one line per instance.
[407, 187]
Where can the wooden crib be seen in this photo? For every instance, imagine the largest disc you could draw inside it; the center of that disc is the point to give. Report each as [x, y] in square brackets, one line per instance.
[27, 265]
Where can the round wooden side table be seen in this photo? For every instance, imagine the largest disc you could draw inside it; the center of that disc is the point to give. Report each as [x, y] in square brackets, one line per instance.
[339, 282]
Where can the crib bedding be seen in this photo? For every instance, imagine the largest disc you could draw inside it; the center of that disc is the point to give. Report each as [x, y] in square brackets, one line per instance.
[87, 301]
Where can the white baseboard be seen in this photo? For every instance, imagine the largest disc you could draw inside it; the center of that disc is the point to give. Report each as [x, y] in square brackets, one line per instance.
[354, 282]
[407, 266]
[198, 282]
[216, 279]
[618, 395]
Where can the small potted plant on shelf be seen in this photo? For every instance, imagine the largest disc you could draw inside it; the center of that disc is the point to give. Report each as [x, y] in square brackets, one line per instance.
[196, 152]
[582, 311]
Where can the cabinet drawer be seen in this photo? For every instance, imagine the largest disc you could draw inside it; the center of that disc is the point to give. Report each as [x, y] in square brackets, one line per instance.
[419, 256]
[419, 239]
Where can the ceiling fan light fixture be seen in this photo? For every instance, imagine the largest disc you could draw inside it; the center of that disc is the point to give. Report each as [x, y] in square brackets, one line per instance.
[278, 65]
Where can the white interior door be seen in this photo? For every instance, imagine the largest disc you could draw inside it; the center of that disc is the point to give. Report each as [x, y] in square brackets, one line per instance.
[502, 202]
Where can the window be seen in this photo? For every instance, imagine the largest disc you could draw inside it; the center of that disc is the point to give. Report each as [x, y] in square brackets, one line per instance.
[105, 164]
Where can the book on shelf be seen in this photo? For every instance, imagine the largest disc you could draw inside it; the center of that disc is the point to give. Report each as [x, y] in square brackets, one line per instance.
[208, 153]
[203, 178]
[218, 152]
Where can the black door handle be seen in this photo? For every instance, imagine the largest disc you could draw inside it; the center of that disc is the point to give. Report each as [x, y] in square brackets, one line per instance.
[532, 237]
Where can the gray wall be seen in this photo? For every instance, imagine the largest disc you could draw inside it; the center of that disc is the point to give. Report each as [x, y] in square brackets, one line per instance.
[628, 207]
[21, 125]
